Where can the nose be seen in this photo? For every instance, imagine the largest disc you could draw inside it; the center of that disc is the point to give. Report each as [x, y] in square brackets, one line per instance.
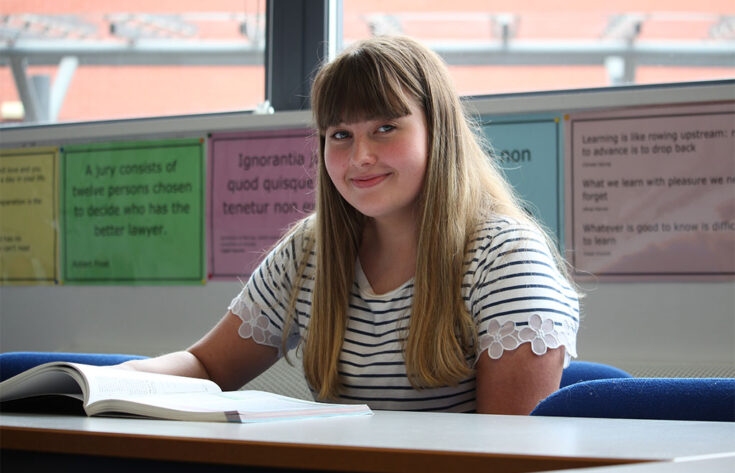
[363, 152]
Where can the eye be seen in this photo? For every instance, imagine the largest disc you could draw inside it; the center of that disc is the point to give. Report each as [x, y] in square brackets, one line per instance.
[386, 128]
[339, 135]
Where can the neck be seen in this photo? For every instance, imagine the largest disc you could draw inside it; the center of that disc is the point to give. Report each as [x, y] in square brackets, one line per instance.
[391, 235]
[388, 252]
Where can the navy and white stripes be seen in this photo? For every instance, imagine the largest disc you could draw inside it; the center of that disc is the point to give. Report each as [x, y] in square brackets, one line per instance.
[510, 276]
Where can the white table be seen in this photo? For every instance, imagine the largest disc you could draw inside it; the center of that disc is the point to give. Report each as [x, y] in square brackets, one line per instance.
[716, 464]
[386, 441]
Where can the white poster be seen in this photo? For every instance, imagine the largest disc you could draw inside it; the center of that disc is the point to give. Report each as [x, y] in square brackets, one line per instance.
[651, 192]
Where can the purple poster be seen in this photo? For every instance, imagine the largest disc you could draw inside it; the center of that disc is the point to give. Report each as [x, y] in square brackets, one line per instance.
[259, 184]
[652, 192]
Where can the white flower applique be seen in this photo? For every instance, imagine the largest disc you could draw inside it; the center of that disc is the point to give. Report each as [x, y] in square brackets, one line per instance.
[257, 326]
[541, 333]
[499, 338]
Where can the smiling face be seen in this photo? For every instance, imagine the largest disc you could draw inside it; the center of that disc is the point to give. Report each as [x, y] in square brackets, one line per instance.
[378, 164]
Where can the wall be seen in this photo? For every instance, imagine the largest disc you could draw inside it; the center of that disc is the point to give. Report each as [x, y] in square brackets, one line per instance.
[652, 328]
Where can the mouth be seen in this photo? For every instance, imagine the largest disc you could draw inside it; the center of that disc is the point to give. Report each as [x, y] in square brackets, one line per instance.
[368, 181]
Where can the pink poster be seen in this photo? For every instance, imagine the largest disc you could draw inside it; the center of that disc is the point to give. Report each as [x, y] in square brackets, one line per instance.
[651, 192]
[259, 184]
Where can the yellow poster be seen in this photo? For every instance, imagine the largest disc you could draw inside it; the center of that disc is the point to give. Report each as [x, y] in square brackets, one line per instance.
[28, 216]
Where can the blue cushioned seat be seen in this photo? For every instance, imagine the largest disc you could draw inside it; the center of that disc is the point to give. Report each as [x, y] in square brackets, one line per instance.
[579, 371]
[703, 399]
[12, 363]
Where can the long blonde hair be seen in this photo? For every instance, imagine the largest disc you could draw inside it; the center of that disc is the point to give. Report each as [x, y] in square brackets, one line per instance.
[377, 78]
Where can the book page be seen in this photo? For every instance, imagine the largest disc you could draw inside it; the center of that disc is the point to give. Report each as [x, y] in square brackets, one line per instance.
[235, 406]
[57, 381]
[113, 383]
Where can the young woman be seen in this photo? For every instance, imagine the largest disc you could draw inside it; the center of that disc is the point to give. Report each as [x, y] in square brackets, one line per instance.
[419, 283]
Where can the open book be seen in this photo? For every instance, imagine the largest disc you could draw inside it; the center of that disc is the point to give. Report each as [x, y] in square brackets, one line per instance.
[114, 391]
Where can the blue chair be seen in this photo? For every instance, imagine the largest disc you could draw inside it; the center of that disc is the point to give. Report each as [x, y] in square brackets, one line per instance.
[579, 371]
[703, 399]
[13, 363]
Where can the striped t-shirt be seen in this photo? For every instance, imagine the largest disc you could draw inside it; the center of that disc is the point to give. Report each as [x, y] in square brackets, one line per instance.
[511, 287]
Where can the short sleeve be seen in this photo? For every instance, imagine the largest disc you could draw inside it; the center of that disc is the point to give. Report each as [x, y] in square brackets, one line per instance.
[517, 293]
[263, 303]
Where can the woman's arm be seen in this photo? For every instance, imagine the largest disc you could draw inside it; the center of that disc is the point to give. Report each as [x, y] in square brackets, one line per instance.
[221, 355]
[518, 380]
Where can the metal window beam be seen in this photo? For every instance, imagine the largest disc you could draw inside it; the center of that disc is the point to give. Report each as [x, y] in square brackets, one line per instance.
[165, 52]
[142, 52]
[41, 99]
[25, 89]
[517, 52]
[67, 67]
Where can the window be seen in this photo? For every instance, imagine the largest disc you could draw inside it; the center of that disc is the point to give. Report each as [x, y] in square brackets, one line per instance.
[102, 59]
[91, 60]
[527, 45]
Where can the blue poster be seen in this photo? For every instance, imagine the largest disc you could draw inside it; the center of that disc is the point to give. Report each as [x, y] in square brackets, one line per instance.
[529, 150]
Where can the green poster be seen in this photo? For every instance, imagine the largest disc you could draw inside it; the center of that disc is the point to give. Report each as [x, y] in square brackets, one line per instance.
[133, 213]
